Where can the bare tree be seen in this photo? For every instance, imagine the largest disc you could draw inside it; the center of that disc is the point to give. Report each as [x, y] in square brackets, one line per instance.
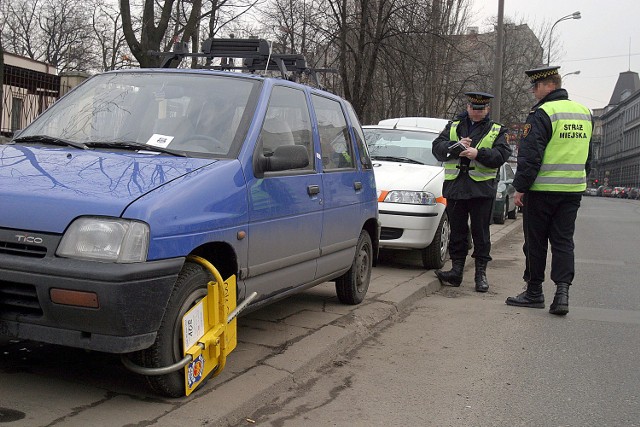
[53, 31]
[154, 26]
[107, 29]
[21, 27]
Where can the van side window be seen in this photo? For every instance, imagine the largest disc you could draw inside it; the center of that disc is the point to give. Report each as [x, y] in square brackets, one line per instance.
[363, 151]
[335, 141]
[287, 122]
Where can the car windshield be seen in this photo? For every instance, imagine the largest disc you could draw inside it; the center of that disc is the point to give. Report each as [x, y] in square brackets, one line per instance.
[401, 145]
[176, 113]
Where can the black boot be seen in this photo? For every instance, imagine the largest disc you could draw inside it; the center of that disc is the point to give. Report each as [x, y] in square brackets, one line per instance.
[452, 277]
[482, 285]
[560, 304]
[532, 297]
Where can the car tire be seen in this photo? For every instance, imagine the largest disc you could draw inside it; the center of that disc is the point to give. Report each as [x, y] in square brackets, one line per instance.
[501, 218]
[513, 214]
[435, 255]
[352, 286]
[190, 287]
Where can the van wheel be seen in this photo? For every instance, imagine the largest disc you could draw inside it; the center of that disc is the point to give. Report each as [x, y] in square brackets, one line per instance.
[352, 286]
[190, 287]
[513, 214]
[435, 255]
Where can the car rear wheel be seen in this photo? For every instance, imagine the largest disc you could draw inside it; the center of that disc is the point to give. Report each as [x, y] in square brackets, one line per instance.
[502, 216]
[352, 286]
[513, 214]
[190, 287]
[435, 255]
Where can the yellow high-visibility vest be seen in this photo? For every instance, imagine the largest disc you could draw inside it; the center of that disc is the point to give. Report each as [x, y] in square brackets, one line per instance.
[477, 171]
[566, 153]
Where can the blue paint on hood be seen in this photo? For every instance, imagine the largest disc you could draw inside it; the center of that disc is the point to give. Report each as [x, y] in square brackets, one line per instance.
[44, 189]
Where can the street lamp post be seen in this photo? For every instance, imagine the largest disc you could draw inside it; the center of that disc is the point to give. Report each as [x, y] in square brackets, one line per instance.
[574, 15]
[568, 74]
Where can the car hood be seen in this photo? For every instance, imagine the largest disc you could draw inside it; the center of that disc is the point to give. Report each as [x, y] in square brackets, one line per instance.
[44, 189]
[406, 176]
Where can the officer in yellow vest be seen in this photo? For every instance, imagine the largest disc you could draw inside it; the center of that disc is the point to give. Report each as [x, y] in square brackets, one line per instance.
[470, 184]
[553, 163]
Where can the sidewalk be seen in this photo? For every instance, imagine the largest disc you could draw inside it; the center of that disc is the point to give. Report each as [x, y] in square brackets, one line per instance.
[281, 345]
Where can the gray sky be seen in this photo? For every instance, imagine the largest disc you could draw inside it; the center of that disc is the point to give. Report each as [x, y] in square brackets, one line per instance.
[601, 45]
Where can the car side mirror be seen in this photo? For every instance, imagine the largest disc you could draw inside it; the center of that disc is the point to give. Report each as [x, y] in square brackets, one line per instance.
[284, 157]
[508, 181]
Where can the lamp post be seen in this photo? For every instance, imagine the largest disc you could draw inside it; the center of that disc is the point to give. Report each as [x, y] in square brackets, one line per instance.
[568, 74]
[574, 15]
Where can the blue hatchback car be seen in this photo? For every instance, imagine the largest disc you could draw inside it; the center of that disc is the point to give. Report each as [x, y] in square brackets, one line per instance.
[106, 194]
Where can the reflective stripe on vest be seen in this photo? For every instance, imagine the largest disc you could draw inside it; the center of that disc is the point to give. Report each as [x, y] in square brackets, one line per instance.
[563, 162]
[479, 171]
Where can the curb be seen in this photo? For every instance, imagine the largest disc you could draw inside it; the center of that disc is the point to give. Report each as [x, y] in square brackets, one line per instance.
[296, 362]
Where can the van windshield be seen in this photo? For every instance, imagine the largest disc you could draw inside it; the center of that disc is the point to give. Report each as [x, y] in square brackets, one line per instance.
[191, 113]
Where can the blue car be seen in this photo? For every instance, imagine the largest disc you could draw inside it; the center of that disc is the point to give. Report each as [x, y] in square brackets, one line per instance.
[108, 192]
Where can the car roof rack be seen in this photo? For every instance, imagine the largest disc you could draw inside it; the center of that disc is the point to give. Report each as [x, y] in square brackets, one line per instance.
[256, 54]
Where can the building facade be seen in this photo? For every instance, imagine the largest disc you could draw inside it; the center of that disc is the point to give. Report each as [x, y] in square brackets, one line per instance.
[617, 146]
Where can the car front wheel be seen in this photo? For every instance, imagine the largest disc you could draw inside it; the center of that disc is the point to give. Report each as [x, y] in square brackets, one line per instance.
[190, 287]
[435, 255]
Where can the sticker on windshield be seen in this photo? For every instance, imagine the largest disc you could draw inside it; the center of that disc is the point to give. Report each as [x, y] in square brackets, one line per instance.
[158, 140]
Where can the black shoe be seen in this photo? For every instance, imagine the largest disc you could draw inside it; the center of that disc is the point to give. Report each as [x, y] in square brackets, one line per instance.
[452, 277]
[532, 297]
[560, 304]
[482, 284]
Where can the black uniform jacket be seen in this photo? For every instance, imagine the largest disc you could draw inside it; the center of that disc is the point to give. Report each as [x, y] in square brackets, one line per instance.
[537, 134]
[463, 187]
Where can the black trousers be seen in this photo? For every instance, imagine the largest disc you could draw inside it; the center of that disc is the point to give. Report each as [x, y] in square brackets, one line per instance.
[459, 212]
[549, 218]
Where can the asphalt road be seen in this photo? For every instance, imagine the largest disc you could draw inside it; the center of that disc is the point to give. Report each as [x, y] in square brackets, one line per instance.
[459, 358]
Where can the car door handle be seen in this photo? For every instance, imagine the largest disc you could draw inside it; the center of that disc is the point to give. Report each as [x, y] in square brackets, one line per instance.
[357, 185]
[312, 190]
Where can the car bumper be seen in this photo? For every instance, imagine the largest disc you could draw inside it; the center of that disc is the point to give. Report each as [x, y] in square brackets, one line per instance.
[131, 301]
[408, 226]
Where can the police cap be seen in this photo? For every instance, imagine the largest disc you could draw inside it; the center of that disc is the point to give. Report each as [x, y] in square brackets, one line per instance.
[539, 74]
[478, 100]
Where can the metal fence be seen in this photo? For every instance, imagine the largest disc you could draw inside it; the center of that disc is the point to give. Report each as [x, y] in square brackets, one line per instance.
[25, 94]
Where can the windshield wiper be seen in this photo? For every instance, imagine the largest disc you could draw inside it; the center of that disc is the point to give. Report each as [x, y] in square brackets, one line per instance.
[134, 145]
[397, 159]
[50, 140]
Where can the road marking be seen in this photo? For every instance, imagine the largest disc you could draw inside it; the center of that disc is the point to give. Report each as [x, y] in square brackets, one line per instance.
[605, 315]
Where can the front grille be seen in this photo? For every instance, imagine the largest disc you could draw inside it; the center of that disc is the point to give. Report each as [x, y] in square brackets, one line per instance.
[388, 233]
[20, 249]
[18, 299]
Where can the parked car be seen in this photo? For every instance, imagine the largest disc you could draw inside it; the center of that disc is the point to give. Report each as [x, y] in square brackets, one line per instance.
[607, 191]
[634, 193]
[113, 193]
[590, 192]
[504, 205]
[409, 181]
[618, 192]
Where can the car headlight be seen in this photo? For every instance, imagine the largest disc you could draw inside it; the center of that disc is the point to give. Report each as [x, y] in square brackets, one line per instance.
[499, 195]
[105, 239]
[411, 197]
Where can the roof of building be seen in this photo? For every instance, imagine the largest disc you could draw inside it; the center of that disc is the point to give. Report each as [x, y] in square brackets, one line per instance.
[627, 84]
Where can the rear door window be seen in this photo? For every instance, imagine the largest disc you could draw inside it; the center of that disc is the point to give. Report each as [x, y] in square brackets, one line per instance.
[335, 142]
